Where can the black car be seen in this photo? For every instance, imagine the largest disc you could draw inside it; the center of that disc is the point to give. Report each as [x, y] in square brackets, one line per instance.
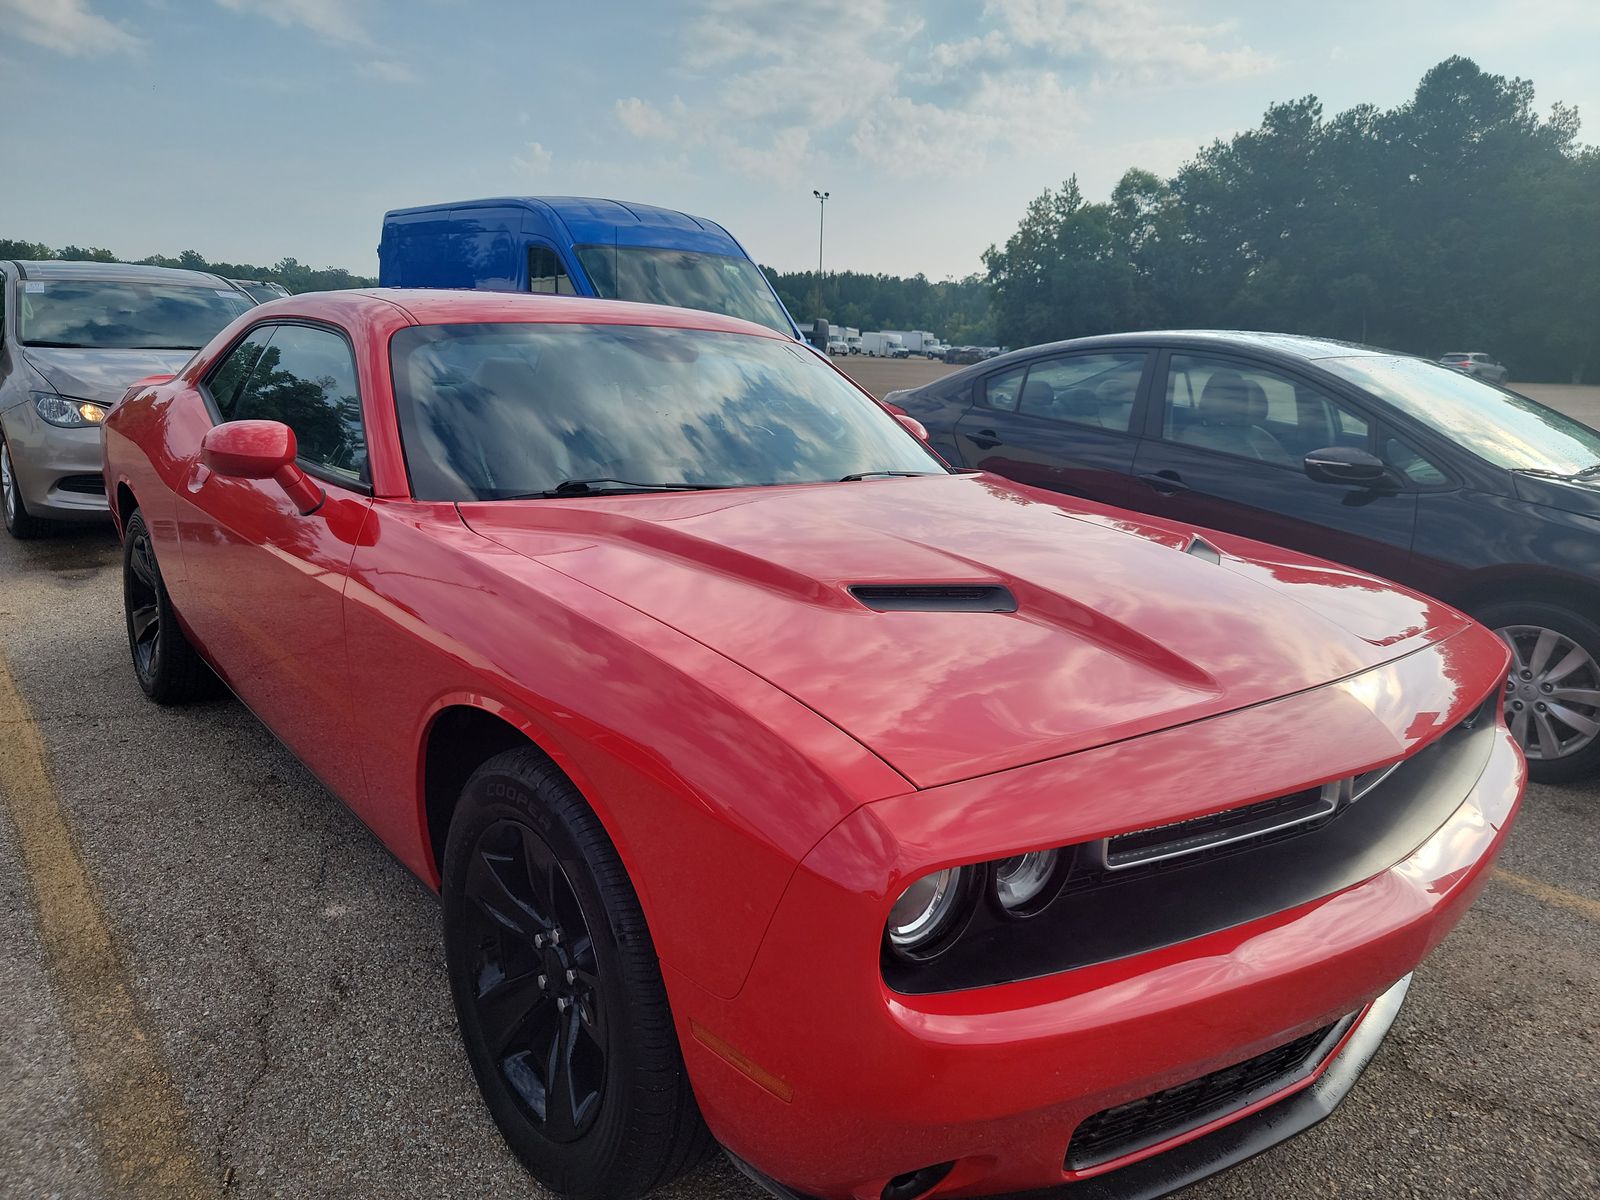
[1393, 464]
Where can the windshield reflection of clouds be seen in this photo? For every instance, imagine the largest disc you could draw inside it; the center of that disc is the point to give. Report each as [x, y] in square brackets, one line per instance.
[491, 411]
[1508, 430]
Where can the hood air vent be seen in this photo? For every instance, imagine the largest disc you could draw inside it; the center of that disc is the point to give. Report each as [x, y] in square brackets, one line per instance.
[934, 597]
[1201, 548]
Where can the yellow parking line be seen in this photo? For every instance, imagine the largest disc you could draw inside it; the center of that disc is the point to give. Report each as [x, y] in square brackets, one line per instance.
[1549, 894]
[137, 1110]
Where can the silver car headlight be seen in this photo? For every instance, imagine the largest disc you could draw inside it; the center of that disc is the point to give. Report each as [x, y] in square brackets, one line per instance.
[67, 412]
[1027, 882]
[929, 911]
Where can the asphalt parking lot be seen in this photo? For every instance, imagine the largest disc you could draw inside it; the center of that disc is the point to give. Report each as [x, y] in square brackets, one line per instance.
[215, 982]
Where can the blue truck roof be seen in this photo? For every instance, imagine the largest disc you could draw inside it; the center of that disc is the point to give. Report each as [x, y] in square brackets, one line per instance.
[589, 220]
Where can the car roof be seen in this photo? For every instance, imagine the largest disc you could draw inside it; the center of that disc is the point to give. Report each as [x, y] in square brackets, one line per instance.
[113, 272]
[450, 306]
[591, 219]
[1286, 345]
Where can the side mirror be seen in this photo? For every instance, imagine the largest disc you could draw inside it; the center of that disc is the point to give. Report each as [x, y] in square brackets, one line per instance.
[1346, 465]
[918, 429]
[260, 450]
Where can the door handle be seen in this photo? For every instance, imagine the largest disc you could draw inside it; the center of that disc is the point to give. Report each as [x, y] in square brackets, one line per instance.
[1168, 483]
[984, 439]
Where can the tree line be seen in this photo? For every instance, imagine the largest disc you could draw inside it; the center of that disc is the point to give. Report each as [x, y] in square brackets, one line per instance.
[295, 276]
[956, 309]
[1459, 220]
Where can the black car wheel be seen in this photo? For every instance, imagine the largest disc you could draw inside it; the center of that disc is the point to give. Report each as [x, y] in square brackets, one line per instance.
[1553, 688]
[556, 987]
[20, 523]
[168, 667]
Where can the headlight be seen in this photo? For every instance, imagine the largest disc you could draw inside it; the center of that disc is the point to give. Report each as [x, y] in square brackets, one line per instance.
[929, 911]
[67, 412]
[1027, 882]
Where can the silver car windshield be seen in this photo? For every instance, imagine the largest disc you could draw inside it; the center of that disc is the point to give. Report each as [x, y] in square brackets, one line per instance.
[509, 411]
[716, 283]
[116, 315]
[1496, 424]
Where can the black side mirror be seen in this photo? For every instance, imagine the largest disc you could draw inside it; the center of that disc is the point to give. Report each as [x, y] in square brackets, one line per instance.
[1346, 465]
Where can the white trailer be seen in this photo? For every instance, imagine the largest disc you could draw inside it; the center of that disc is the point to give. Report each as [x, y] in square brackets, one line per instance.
[918, 341]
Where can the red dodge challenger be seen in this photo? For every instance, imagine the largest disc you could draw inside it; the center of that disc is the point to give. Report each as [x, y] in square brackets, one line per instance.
[907, 831]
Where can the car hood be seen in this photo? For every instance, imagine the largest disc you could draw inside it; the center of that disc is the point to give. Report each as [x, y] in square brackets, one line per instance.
[1117, 631]
[101, 375]
[1570, 495]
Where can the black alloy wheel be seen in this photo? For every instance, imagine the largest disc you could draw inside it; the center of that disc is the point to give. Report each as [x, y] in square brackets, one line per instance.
[167, 666]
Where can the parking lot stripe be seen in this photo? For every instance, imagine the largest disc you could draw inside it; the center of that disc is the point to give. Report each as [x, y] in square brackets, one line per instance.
[1549, 894]
[136, 1107]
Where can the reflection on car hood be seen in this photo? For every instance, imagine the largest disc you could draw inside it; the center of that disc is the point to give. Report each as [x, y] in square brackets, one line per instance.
[1117, 631]
[101, 375]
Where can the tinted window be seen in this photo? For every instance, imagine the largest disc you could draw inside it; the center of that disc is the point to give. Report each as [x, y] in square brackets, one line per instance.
[495, 411]
[545, 272]
[1002, 391]
[715, 283]
[1411, 464]
[306, 378]
[1499, 426]
[115, 315]
[229, 375]
[1085, 389]
[1250, 411]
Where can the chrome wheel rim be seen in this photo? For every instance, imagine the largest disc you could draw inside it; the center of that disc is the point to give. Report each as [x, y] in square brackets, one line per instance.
[8, 487]
[1552, 692]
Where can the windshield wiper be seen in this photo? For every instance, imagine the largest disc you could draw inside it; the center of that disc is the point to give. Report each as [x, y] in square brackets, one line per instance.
[1588, 471]
[860, 475]
[49, 345]
[601, 487]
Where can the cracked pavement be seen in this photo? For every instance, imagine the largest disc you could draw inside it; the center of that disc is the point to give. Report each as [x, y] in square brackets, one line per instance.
[289, 971]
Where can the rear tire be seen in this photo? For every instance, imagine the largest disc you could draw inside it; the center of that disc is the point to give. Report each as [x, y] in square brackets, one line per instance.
[20, 523]
[1553, 692]
[560, 1000]
[167, 666]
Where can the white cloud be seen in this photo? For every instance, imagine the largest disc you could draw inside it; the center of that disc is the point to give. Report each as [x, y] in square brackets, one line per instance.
[67, 26]
[387, 71]
[645, 120]
[336, 21]
[534, 160]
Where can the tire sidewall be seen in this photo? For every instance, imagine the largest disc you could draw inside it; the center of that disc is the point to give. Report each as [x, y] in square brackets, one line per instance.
[1580, 629]
[149, 683]
[494, 794]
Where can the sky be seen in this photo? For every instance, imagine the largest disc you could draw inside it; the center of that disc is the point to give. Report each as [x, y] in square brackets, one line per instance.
[252, 130]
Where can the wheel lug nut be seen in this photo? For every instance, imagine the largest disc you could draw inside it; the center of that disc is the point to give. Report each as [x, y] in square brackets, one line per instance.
[1527, 674]
[1547, 687]
[572, 977]
[1516, 704]
[1540, 706]
[542, 982]
[538, 941]
[555, 937]
[562, 1003]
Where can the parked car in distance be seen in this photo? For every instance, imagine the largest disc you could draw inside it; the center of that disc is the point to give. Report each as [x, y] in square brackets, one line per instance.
[837, 345]
[961, 355]
[73, 336]
[1389, 463]
[747, 744]
[261, 291]
[579, 246]
[1476, 364]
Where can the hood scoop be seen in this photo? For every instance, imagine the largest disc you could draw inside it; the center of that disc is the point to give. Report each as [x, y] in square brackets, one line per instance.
[935, 597]
[1202, 549]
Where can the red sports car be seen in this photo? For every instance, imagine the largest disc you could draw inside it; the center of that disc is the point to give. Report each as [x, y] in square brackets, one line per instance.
[906, 831]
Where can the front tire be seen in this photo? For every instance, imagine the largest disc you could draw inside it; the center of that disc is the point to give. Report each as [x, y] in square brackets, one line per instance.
[20, 523]
[556, 986]
[1553, 689]
[167, 666]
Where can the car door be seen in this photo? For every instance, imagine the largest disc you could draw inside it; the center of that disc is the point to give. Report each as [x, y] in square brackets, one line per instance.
[1225, 448]
[266, 581]
[1064, 422]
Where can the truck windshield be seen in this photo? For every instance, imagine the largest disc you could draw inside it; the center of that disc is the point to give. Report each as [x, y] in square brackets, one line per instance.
[106, 314]
[509, 411]
[716, 283]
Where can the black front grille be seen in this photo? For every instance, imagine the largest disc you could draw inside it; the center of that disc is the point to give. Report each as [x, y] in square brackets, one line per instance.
[1137, 1124]
[86, 485]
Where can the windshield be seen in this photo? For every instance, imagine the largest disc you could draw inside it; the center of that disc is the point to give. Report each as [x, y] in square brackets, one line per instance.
[715, 283]
[109, 314]
[1500, 426]
[496, 411]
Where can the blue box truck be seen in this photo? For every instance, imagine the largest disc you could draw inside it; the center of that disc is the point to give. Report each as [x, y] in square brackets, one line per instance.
[578, 246]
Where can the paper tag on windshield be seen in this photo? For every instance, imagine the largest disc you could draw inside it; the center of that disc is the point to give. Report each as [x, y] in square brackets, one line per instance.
[33, 285]
[226, 293]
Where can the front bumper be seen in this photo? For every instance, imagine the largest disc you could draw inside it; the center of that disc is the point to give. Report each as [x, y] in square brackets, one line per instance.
[833, 1084]
[58, 471]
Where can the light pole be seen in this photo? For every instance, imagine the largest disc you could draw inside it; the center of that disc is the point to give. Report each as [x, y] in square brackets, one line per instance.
[822, 211]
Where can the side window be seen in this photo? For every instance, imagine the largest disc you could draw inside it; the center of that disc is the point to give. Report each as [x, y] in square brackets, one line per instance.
[546, 274]
[1085, 389]
[306, 378]
[229, 375]
[1253, 412]
[1003, 390]
[1412, 465]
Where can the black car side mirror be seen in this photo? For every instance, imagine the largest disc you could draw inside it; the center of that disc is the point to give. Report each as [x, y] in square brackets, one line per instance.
[1346, 465]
